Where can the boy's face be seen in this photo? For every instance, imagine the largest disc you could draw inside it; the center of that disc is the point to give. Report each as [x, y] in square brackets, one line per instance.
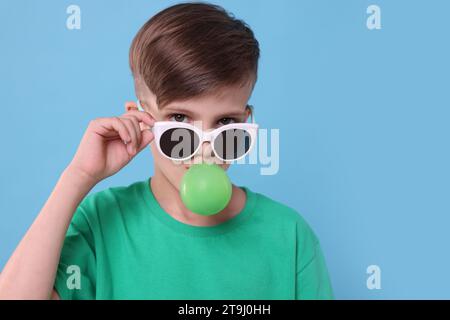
[211, 111]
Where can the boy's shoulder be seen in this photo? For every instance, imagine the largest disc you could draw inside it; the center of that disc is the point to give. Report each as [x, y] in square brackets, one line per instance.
[282, 217]
[111, 197]
[108, 205]
[276, 211]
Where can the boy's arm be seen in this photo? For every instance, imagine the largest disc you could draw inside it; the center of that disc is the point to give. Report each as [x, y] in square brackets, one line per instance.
[55, 295]
[106, 147]
[31, 270]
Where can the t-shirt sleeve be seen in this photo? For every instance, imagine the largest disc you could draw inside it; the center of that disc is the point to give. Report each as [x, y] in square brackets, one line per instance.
[312, 278]
[76, 274]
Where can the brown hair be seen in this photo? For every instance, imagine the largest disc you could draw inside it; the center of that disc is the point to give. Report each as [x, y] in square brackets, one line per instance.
[192, 49]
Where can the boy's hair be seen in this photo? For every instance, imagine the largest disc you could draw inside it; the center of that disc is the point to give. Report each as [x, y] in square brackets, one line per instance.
[192, 49]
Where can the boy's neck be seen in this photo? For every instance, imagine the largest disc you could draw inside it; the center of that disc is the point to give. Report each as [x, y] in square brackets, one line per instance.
[169, 199]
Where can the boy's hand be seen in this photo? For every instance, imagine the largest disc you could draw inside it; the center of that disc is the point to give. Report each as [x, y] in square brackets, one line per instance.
[108, 144]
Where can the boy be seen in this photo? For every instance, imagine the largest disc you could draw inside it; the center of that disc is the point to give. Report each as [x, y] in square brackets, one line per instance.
[191, 63]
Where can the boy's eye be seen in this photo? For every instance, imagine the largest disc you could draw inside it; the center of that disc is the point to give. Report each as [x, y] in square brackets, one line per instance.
[178, 117]
[225, 121]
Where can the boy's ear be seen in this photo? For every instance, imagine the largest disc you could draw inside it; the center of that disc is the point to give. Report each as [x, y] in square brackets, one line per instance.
[129, 105]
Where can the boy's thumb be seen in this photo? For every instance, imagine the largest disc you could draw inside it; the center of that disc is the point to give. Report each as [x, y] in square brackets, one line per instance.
[147, 137]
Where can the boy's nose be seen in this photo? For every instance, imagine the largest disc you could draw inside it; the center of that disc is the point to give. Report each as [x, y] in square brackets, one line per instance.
[206, 153]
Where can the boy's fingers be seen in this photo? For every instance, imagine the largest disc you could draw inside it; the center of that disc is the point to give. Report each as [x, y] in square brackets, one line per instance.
[147, 137]
[110, 125]
[136, 126]
[132, 147]
[142, 116]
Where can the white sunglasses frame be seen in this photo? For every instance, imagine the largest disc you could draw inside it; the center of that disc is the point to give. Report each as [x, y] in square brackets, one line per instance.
[159, 127]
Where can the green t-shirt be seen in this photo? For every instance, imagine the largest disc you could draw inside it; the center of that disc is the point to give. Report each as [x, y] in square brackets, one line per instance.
[122, 245]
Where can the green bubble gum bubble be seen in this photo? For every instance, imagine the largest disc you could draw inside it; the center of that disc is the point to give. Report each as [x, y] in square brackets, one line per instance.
[205, 189]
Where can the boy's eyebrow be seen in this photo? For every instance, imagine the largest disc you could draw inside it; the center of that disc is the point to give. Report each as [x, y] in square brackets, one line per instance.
[231, 114]
[180, 109]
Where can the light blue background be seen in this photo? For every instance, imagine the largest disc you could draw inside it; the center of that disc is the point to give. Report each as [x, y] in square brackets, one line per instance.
[363, 117]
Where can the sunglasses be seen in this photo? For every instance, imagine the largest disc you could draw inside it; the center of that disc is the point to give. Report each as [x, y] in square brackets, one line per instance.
[180, 141]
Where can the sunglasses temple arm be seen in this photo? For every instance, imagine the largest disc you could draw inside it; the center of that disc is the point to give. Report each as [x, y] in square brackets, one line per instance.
[140, 108]
[252, 113]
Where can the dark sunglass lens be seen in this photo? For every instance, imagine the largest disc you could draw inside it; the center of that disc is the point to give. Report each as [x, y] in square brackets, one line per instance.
[232, 144]
[179, 143]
